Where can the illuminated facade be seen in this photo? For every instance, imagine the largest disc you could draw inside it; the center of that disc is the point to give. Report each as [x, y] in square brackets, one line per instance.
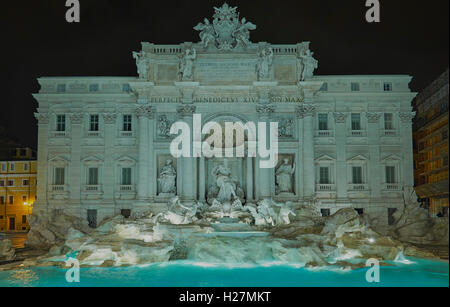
[104, 141]
[17, 189]
[431, 146]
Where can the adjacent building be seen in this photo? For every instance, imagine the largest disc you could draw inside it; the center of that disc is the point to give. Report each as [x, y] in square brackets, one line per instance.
[17, 189]
[346, 140]
[431, 146]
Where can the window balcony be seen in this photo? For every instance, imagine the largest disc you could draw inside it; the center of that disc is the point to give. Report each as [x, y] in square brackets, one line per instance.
[357, 133]
[58, 188]
[392, 187]
[389, 133]
[60, 134]
[324, 133]
[325, 187]
[93, 134]
[126, 188]
[92, 188]
[126, 134]
[358, 187]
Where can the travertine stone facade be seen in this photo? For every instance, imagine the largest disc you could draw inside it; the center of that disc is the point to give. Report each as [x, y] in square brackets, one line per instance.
[103, 141]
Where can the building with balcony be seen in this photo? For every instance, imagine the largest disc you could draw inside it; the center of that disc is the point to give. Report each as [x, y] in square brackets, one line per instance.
[17, 189]
[431, 146]
[104, 141]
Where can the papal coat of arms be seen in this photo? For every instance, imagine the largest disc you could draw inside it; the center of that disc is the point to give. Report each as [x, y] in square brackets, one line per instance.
[227, 31]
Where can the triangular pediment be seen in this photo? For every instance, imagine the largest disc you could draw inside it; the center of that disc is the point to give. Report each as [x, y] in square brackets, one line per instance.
[325, 158]
[391, 158]
[358, 158]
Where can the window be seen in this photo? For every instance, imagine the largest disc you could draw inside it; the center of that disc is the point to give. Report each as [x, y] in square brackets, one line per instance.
[59, 176]
[356, 121]
[25, 166]
[24, 198]
[61, 88]
[25, 182]
[127, 123]
[325, 212]
[23, 152]
[10, 183]
[2, 183]
[323, 122]
[324, 87]
[93, 176]
[388, 121]
[387, 86]
[357, 175]
[93, 87]
[445, 161]
[126, 176]
[355, 87]
[61, 123]
[13, 167]
[444, 135]
[24, 219]
[11, 200]
[2, 200]
[390, 174]
[93, 123]
[3, 167]
[324, 175]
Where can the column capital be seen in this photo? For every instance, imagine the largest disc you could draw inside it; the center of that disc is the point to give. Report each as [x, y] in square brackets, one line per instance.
[145, 111]
[265, 109]
[373, 117]
[110, 117]
[305, 110]
[186, 110]
[340, 117]
[407, 117]
[42, 118]
[76, 117]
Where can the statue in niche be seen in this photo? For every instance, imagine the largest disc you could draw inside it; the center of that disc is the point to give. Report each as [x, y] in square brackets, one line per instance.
[309, 64]
[167, 178]
[226, 188]
[284, 177]
[207, 33]
[142, 64]
[187, 64]
[164, 126]
[264, 65]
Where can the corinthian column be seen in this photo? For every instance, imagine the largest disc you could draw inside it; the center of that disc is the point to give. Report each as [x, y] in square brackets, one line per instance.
[188, 167]
[307, 111]
[144, 114]
[42, 176]
[266, 175]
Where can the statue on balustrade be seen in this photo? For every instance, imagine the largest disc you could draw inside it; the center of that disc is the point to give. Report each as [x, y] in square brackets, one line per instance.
[167, 178]
[187, 64]
[284, 177]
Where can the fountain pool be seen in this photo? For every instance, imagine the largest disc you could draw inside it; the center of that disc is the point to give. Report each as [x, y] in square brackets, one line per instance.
[418, 273]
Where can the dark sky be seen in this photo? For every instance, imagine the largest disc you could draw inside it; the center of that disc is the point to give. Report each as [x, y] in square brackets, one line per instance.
[412, 38]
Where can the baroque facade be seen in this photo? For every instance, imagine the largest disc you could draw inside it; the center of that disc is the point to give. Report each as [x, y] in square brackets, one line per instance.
[344, 141]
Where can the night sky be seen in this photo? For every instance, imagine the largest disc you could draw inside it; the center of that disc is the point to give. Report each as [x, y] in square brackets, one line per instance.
[412, 38]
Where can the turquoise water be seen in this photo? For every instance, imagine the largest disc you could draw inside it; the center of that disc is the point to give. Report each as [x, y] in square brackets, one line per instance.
[422, 273]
